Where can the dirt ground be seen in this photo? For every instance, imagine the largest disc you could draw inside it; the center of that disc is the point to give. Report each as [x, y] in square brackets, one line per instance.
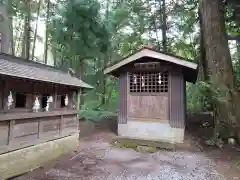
[96, 159]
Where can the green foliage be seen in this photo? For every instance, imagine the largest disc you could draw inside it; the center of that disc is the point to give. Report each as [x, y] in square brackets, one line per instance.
[95, 115]
[197, 97]
[99, 33]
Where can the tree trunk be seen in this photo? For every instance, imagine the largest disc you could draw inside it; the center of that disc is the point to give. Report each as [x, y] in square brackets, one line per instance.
[202, 72]
[36, 30]
[10, 17]
[46, 32]
[219, 62]
[164, 26]
[11, 35]
[105, 60]
[23, 53]
[18, 42]
[154, 19]
[27, 31]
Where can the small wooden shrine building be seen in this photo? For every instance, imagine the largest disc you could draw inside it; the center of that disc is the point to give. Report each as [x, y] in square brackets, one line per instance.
[152, 95]
[38, 114]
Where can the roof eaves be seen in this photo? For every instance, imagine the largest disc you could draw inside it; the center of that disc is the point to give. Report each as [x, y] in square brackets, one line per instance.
[146, 52]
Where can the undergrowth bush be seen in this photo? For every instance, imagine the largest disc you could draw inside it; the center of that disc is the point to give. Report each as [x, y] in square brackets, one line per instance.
[92, 111]
[197, 97]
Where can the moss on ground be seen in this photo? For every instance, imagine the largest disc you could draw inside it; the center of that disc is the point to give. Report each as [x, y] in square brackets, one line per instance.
[142, 145]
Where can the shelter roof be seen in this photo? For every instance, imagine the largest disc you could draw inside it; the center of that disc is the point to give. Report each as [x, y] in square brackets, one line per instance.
[18, 67]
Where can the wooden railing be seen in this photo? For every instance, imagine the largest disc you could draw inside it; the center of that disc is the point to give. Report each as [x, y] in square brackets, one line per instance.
[26, 129]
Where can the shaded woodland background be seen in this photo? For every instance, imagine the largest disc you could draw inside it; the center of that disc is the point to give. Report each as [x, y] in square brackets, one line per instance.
[88, 35]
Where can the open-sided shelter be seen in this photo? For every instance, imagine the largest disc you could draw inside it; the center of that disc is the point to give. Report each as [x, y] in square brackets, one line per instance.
[152, 95]
[38, 114]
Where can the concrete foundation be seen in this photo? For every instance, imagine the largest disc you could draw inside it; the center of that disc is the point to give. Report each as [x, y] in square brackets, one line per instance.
[27, 159]
[151, 131]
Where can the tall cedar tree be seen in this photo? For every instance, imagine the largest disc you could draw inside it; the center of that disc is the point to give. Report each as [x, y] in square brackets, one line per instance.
[218, 61]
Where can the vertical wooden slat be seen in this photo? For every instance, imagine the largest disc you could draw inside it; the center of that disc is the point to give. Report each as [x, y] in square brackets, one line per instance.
[122, 98]
[177, 104]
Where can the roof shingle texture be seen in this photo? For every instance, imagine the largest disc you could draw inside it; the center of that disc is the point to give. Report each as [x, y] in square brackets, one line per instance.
[17, 67]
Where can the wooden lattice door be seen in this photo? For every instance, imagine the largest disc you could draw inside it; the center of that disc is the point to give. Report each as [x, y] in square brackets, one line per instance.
[148, 96]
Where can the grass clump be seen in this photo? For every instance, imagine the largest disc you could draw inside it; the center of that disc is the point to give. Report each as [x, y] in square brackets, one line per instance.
[134, 144]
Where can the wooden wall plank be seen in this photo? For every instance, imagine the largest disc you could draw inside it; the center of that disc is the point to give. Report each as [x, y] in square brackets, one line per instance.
[69, 121]
[17, 134]
[153, 108]
[177, 100]
[122, 98]
[22, 141]
[50, 127]
[4, 129]
[69, 125]
[25, 128]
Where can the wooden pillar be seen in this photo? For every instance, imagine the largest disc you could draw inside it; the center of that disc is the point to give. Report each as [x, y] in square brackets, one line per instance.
[55, 97]
[2, 93]
[5, 94]
[10, 132]
[61, 126]
[79, 93]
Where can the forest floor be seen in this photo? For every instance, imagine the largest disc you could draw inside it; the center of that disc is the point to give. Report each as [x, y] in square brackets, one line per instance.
[96, 159]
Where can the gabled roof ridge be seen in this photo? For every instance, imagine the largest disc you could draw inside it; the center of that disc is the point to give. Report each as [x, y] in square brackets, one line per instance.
[142, 53]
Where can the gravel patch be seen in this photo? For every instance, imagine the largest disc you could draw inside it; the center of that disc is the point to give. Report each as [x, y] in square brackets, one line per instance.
[98, 160]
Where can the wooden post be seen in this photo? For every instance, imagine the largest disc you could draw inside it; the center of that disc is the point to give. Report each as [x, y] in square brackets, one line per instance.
[39, 128]
[33, 93]
[61, 126]
[10, 132]
[79, 93]
[2, 93]
[5, 94]
[79, 98]
[55, 97]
